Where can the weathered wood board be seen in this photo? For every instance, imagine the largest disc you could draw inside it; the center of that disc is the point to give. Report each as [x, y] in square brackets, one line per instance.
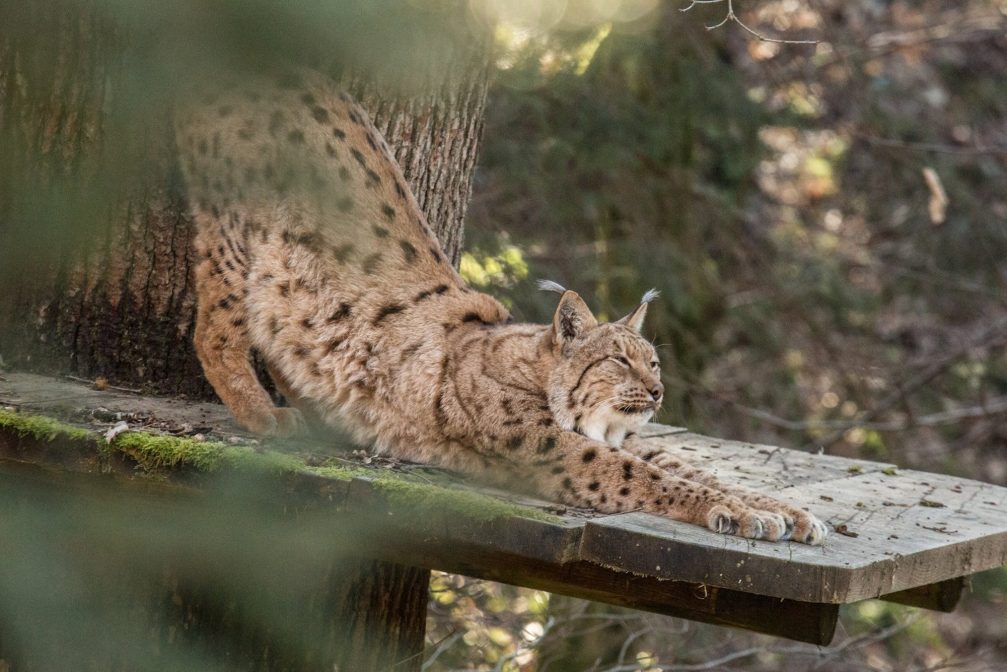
[912, 528]
[903, 529]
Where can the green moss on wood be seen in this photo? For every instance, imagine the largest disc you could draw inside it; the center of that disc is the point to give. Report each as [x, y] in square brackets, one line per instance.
[41, 428]
[338, 473]
[158, 454]
[409, 495]
[412, 495]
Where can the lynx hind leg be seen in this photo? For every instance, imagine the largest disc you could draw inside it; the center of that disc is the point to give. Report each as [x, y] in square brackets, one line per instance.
[222, 343]
[785, 520]
[310, 417]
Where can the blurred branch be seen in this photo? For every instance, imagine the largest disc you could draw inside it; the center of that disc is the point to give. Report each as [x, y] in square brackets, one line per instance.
[992, 336]
[438, 647]
[953, 29]
[931, 146]
[956, 27]
[731, 16]
[995, 406]
[823, 654]
[931, 274]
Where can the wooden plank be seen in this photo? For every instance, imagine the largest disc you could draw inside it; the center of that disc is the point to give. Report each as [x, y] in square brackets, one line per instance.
[522, 552]
[46, 395]
[912, 528]
[901, 531]
[545, 555]
[799, 621]
[760, 467]
[652, 430]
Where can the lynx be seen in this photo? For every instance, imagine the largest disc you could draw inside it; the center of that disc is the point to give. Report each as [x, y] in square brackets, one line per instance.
[313, 252]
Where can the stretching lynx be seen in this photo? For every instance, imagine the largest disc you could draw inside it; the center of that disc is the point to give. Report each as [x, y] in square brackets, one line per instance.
[314, 252]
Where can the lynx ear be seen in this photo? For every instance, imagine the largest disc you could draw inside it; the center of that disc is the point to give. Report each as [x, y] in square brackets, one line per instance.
[635, 319]
[572, 319]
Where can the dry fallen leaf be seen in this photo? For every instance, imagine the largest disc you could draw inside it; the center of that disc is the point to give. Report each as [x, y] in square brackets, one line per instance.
[845, 531]
[938, 205]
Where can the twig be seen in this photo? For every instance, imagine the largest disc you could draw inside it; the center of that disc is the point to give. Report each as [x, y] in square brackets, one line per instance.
[930, 146]
[932, 274]
[106, 387]
[441, 647]
[993, 336]
[731, 16]
[708, 665]
[992, 407]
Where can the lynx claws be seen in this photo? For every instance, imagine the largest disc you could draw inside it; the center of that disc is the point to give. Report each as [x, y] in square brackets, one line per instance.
[750, 524]
[817, 534]
[774, 526]
[721, 520]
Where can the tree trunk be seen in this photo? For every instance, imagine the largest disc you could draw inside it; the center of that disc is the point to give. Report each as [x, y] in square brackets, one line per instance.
[116, 299]
[101, 287]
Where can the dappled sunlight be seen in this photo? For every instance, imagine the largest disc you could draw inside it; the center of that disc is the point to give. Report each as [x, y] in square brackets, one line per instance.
[541, 16]
[504, 623]
[851, 239]
[816, 189]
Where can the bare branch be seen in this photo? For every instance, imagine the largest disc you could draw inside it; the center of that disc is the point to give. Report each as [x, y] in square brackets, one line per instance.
[763, 38]
[732, 17]
[693, 3]
[993, 336]
[931, 146]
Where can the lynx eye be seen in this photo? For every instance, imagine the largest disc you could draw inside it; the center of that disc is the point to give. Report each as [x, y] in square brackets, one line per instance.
[655, 364]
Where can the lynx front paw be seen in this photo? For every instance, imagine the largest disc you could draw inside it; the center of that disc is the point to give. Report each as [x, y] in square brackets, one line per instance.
[749, 523]
[799, 525]
[774, 525]
[744, 522]
[809, 530]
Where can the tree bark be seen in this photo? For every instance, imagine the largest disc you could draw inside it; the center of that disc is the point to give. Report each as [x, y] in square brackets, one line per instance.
[102, 288]
[116, 300]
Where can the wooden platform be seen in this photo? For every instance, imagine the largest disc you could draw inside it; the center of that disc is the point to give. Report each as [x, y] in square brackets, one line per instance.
[903, 535]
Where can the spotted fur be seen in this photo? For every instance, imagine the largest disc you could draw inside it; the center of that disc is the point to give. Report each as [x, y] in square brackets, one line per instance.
[314, 252]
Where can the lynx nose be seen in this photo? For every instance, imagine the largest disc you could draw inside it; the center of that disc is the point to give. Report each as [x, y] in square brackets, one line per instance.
[657, 391]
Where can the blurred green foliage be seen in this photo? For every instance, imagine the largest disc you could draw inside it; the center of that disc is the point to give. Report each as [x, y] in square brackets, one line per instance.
[621, 173]
[773, 194]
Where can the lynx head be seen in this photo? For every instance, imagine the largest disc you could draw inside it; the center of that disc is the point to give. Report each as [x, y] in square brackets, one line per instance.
[607, 379]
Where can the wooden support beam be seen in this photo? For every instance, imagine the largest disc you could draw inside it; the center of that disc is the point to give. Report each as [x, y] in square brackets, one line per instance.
[800, 621]
[940, 596]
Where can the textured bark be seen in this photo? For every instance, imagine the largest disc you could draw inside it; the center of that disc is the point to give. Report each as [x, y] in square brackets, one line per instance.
[115, 300]
[118, 303]
[384, 629]
[435, 132]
